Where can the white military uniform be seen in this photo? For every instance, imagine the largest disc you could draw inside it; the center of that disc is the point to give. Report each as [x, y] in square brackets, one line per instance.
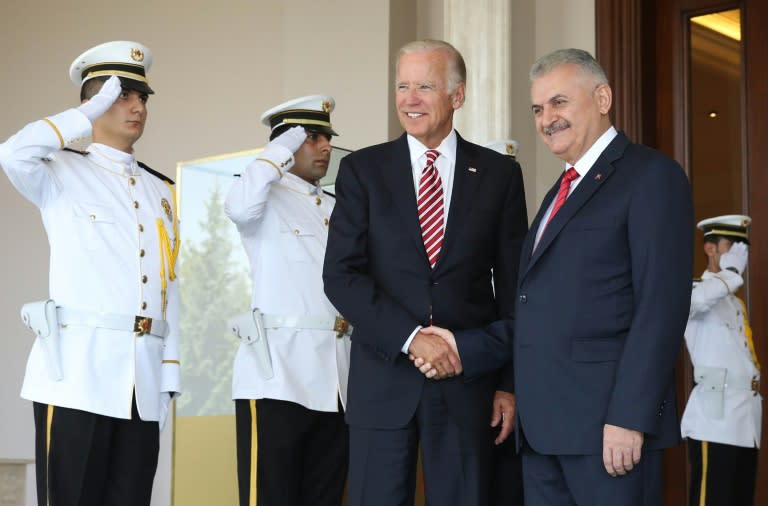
[104, 216]
[283, 223]
[724, 406]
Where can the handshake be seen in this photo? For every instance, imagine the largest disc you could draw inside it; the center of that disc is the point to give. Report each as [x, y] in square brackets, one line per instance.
[434, 352]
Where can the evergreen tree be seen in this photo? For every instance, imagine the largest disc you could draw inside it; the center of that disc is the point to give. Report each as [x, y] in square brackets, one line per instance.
[213, 288]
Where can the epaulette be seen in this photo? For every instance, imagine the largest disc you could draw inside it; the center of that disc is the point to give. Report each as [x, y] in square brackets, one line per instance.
[84, 153]
[155, 173]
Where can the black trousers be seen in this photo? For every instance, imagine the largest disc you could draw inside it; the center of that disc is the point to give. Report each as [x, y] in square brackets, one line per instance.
[455, 460]
[288, 455]
[721, 475]
[571, 480]
[506, 475]
[85, 459]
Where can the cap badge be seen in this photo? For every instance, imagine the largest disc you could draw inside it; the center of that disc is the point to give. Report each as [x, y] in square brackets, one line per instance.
[137, 54]
[326, 106]
[167, 209]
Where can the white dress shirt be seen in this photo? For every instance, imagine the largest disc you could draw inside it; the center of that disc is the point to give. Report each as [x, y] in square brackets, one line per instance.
[446, 165]
[582, 166]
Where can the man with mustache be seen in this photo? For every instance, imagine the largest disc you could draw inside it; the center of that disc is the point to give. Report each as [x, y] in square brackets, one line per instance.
[290, 372]
[602, 304]
[105, 363]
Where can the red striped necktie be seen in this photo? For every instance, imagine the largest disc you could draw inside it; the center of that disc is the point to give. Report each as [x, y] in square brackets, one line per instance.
[431, 208]
[562, 193]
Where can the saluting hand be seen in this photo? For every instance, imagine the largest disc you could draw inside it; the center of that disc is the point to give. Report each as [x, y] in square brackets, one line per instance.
[291, 139]
[103, 100]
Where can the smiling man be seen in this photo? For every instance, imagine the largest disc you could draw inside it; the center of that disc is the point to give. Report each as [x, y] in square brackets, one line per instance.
[602, 300]
[290, 374]
[420, 225]
[105, 363]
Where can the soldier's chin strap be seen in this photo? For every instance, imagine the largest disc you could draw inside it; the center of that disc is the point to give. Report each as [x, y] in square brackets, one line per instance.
[168, 253]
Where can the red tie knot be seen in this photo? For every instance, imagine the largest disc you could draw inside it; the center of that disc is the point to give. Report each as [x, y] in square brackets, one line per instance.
[571, 174]
[432, 155]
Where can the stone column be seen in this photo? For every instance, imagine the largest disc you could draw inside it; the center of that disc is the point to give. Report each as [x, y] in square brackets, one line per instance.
[482, 31]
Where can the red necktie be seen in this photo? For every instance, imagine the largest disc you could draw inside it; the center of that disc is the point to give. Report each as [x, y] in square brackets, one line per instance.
[430, 207]
[562, 193]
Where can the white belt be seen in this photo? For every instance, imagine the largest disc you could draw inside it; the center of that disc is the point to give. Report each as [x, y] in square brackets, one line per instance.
[741, 382]
[139, 325]
[717, 379]
[275, 321]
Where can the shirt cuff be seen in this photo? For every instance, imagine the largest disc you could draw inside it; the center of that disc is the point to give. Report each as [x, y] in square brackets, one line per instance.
[407, 344]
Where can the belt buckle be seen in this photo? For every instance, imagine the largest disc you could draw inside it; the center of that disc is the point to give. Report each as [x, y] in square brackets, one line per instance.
[755, 385]
[142, 325]
[340, 326]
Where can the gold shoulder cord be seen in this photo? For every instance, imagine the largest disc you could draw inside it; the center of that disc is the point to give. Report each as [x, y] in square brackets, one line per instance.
[168, 253]
[748, 333]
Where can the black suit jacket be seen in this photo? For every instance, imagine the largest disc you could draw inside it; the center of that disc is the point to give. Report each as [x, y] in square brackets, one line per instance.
[377, 275]
[603, 303]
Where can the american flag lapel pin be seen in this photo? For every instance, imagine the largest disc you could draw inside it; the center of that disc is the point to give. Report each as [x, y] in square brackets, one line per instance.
[472, 169]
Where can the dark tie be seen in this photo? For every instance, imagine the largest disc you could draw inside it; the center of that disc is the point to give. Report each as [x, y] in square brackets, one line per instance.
[565, 185]
[430, 207]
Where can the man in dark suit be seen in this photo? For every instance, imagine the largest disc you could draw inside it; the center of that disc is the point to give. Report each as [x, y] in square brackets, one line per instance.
[603, 300]
[420, 225]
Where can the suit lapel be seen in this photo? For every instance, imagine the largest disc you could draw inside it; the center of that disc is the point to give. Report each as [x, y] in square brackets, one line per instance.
[398, 177]
[530, 237]
[466, 178]
[597, 175]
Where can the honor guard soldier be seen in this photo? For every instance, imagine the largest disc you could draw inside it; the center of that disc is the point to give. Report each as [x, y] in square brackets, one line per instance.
[722, 419]
[104, 365]
[290, 373]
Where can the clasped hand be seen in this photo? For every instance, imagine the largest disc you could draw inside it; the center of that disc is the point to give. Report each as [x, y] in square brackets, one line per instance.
[434, 352]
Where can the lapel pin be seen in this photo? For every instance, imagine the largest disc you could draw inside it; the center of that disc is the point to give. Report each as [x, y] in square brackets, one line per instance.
[472, 169]
[598, 176]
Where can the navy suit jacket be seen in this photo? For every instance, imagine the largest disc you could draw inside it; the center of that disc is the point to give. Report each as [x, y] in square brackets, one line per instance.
[602, 305]
[377, 275]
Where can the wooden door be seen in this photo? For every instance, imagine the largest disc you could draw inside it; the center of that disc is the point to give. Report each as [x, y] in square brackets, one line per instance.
[645, 47]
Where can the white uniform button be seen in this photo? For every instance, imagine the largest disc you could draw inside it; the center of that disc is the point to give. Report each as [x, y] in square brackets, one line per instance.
[144, 278]
[141, 253]
[132, 180]
[141, 227]
[135, 204]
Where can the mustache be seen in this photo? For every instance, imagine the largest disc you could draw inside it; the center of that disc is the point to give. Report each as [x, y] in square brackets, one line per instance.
[556, 127]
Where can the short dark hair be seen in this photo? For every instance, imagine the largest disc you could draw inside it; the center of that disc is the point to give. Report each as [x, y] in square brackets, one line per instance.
[91, 87]
[714, 239]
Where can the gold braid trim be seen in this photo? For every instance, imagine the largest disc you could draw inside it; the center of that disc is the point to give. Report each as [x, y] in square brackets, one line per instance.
[168, 253]
[55, 129]
[748, 334]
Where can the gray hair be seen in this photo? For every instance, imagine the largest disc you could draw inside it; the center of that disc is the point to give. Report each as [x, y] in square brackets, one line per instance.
[582, 59]
[457, 70]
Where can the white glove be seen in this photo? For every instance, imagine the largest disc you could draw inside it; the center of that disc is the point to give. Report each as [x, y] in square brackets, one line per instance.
[736, 257]
[291, 139]
[103, 100]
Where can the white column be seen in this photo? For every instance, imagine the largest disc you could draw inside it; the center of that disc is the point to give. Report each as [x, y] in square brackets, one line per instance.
[482, 31]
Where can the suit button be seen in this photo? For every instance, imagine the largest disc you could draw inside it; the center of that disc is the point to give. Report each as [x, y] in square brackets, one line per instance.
[523, 299]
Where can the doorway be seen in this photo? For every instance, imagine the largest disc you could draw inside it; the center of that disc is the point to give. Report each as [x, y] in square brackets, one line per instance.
[701, 97]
